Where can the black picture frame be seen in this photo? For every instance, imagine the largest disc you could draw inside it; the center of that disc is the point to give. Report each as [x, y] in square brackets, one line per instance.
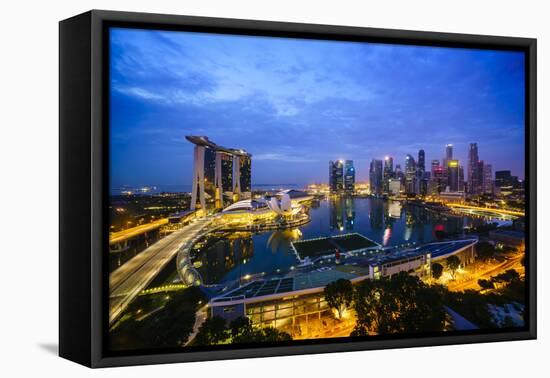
[83, 180]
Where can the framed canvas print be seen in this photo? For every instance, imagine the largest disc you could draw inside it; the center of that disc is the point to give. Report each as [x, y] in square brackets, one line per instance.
[233, 188]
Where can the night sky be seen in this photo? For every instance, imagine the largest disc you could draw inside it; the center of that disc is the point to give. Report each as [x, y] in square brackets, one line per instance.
[296, 104]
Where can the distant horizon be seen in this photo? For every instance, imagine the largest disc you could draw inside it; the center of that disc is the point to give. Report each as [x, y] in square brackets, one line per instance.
[297, 104]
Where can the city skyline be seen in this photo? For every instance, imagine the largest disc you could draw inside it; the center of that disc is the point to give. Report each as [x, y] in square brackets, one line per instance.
[304, 103]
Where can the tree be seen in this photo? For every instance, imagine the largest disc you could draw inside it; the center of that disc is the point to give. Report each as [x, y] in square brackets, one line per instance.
[453, 263]
[485, 284]
[485, 251]
[270, 334]
[242, 331]
[401, 304]
[437, 270]
[168, 325]
[506, 278]
[339, 295]
[240, 326]
[212, 331]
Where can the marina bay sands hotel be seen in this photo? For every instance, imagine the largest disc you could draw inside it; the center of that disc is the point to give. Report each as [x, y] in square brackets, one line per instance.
[220, 175]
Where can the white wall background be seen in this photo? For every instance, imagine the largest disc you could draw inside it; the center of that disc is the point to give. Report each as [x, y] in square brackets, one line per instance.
[29, 185]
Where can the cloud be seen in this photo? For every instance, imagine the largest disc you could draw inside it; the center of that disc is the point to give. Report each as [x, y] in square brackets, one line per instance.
[282, 157]
[295, 104]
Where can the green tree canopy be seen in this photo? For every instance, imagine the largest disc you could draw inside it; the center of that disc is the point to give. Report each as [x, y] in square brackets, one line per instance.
[485, 251]
[437, 270]
[339, 295]
[485, 284]
[212, 331]
[401, 304]
[453, 263]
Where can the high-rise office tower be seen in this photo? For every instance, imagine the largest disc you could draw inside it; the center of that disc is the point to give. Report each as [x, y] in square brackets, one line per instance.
[398, 172]
[438, 179]
[453, 175]
[336, 176]
[388, 172]
[421, 173]
[421, 161]
[376, 177]
[411, 182]
[460, 178]
[349, 177]
[480, 177]
[214, 173]
[488, 179]
[475, 177]
[435, 166]
[448, 155]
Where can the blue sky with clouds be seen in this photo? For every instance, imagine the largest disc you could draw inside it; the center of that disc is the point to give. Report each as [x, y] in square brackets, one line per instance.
[296, 104]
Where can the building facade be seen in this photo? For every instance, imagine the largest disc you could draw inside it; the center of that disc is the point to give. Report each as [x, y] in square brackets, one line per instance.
[349, 177]
[336, 176]
[376, 177]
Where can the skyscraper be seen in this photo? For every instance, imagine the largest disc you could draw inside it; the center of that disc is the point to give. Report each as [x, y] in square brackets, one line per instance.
[435, 166]
[421, 161]
[453, 175]
[448, 155]
[375, 177]
[474, 174]
[336, 176]
[388, 172]
[411, 182]
[488, 179]
[226, 173]
[460, 178]
[349, 177]
[214, 173]
[242, 165]
[421, 173]
[398, 172]
[438, 180]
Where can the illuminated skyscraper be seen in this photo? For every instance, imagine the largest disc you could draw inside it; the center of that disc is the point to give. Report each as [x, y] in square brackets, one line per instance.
[421, 176]
[388, 173]
[435, 166]
[475, 171]
[399, 173]
[411, 182]
[488, 179]
[438, 180]
[376, 177]
[421, 161]
[448, 155]
[349, 177]
[336, 176]
[453, 175]
[217, 171]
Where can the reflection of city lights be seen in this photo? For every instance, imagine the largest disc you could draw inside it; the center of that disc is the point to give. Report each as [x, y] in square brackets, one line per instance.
[408, 232]
[387, 236]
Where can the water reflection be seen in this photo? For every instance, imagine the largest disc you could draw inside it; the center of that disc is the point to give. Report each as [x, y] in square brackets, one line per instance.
[230, 256]
[281, 239]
